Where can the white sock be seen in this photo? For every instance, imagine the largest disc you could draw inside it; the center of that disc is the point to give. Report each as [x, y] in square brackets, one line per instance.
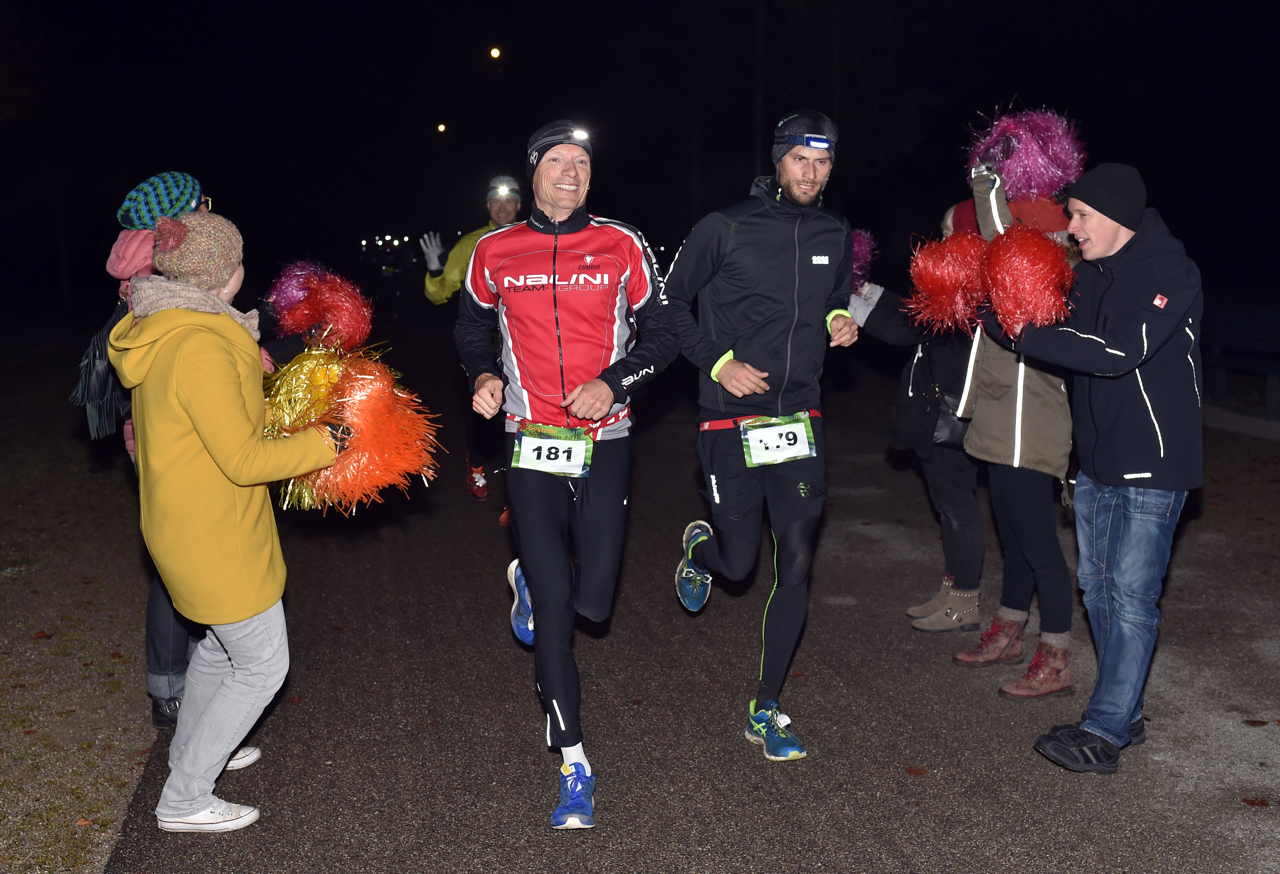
[574, 754]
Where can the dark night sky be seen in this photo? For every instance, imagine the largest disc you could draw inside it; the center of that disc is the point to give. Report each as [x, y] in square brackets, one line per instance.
[313, 129]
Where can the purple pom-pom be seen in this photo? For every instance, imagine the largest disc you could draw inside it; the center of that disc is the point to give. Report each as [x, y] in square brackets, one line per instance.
[1036, 152]
[293, 285]
[863, 249]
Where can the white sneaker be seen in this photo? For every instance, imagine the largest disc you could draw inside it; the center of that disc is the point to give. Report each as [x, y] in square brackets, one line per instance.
[219, 816]
[243, 758]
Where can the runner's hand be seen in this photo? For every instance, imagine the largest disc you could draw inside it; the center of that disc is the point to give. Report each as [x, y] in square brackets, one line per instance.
[432, 249]
[741, 379]
[591, 401]
[844, 331]
[487, 400]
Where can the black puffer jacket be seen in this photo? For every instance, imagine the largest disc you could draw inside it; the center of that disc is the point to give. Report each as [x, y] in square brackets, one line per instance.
[1134, 339]
[937, 365]
[765, 273]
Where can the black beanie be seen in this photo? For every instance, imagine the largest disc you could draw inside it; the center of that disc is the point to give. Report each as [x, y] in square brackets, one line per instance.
[553, 134]
[803, 128]
[1115, 190]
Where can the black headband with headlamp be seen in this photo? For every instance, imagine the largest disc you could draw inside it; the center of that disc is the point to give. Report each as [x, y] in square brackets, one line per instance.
[809, 141]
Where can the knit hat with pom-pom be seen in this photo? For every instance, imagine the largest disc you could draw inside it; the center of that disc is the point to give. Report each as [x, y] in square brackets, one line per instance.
[198, 248]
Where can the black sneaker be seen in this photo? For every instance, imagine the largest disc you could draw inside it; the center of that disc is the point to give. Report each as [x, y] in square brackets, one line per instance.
[1137, 728]
[164, 712]
[1078, 750]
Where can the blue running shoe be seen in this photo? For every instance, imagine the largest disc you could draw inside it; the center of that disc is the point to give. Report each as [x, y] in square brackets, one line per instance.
[768, 728]
[576, 809]
[522, 609]
[693, 584]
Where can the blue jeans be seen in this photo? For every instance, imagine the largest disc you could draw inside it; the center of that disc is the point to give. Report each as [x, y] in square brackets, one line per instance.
[233, 675]
[171, 641]
[1125, 535]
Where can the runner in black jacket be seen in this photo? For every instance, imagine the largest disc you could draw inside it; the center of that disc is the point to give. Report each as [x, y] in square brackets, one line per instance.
[771, 276]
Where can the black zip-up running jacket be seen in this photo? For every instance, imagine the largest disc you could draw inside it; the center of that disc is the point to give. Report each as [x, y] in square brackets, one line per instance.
[765, 273]
[1134, 339]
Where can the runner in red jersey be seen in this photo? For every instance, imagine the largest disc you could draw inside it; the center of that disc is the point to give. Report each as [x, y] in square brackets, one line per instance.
[582, 317]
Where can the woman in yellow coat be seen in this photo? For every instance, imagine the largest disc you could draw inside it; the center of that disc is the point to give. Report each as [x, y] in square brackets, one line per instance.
[193, 365]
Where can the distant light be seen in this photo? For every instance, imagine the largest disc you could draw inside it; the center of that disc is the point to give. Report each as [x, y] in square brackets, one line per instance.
[364, 242]
[493, 53]
[579, 135]
[440, 128]
[406, 239]
[395, 242]
[662, 248]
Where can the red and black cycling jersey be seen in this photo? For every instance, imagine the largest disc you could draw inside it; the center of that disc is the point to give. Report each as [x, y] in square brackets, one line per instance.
[574, 300]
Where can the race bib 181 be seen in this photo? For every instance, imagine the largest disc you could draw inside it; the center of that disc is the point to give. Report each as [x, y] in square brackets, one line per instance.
[560, 451]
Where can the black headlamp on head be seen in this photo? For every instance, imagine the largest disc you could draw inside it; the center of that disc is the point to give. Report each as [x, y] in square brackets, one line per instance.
[809, 141]
[553, 134]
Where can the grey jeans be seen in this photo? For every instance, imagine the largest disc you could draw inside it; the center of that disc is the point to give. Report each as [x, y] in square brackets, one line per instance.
[233, 675]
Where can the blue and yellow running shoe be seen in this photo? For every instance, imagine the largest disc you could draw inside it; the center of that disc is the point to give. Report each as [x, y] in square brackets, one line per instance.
[522, 609]
[768, 728]
[693, 584]
[577, 807]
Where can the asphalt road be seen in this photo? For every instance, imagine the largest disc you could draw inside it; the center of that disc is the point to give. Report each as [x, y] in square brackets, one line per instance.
[409, 736]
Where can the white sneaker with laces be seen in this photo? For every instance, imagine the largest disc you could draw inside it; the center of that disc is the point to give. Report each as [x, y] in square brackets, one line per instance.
[219, 816]
[243, 758]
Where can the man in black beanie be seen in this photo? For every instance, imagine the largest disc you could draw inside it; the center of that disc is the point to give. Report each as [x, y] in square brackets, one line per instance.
[1133, 340]
[771, 277]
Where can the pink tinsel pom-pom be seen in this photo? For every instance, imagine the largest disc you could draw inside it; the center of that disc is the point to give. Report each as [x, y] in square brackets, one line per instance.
[1029, 277]
[1036, 153]
[863, 249]
[947, 276]
[289, 290]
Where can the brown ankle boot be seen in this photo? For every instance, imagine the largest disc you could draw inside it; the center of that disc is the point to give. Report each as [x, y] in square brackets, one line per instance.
[1001, 642]
[1048, 674]
[959, 613]
[934, 604]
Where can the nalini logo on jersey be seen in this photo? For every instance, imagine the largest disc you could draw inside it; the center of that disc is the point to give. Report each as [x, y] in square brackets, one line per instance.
[575, 282]
[587, 259]
[821, 259]
[1160, 301]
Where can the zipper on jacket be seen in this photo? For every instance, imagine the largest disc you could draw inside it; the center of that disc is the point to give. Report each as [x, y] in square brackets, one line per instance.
[555, 310]
[795, 315]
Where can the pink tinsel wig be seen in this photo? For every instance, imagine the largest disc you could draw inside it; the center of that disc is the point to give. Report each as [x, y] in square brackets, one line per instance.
[1036, 152]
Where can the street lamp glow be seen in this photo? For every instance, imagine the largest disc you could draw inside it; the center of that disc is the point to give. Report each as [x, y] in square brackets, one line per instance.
[494, 53]
[440, 128]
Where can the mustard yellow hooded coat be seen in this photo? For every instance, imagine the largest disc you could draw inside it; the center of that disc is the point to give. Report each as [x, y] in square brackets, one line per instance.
[198, 415]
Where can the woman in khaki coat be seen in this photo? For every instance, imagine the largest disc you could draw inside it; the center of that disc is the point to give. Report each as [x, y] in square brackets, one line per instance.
[1021, 426]
[195, 371]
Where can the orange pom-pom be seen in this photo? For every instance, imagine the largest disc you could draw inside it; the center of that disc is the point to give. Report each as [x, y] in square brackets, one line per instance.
[1029, 278]
[392, 439]
[333, 312]
[947, 276]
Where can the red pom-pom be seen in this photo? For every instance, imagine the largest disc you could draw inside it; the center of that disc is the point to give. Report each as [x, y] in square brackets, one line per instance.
[169, 233]
[1029, 278]
[333, 312]
[392, 437]
[947, 276]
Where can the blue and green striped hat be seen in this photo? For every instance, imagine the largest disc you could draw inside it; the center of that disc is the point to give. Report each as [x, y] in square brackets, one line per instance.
[168, 194]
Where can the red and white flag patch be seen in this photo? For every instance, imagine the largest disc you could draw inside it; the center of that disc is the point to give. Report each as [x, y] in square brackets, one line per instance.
[1160, 301]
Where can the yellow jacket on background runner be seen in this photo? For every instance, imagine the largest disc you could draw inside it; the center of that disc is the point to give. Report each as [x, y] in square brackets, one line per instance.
[441, 288]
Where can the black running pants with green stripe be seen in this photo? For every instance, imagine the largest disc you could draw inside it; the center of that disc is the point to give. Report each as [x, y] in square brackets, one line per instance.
[795, 492]
[568, 534]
